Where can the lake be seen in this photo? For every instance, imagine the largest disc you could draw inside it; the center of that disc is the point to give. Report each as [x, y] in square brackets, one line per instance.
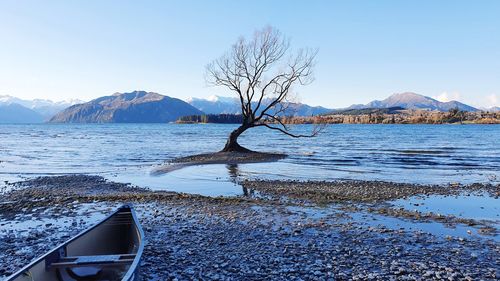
[427, 154]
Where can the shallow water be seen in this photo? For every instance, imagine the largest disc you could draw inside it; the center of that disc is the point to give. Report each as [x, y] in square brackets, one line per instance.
[381, 221]
[435, 228]
[87, 214]
[477, 207]
[403, 153]
[428, 154]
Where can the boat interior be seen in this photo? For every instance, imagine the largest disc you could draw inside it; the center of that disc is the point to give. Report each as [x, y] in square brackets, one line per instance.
[104, 252]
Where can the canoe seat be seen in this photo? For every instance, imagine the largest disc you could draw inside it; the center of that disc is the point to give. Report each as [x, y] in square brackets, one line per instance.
[101, 260]
[79, 273]
[85, 272]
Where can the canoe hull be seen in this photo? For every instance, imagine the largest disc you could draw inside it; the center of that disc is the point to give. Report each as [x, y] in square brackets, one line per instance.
[110, 250]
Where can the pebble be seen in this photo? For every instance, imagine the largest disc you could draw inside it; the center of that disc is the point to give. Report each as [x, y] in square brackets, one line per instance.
[191, 237]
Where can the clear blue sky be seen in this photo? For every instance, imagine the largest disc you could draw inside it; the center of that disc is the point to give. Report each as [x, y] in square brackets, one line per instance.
[367, 49]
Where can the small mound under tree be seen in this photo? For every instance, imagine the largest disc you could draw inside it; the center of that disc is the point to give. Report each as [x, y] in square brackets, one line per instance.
[262, 73]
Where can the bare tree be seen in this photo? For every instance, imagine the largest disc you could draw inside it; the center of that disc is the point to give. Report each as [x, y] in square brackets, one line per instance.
[262, 73]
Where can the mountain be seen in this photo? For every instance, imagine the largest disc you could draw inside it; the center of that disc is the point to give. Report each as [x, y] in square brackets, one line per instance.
[16, 113]
[228, 105]
[493, 109]
[365, 111]
[300, 109]
[46, 108]
[414, 101]
[217, 105]
[134, 107]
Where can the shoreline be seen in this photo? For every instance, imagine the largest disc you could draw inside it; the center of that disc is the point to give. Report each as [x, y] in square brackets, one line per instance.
[193, 236]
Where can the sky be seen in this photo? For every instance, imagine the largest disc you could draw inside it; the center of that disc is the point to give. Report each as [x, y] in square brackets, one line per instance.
[367, 49]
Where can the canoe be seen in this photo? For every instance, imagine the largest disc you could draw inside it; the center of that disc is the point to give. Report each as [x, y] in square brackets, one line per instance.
[110, 250]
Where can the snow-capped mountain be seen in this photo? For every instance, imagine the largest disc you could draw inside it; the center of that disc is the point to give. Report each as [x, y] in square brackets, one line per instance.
[492, 109]
[13, 113]
[45, 108]
[216, 105]
[231, 105]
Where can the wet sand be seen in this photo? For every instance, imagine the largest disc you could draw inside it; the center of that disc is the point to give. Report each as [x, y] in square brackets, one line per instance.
[279, 234]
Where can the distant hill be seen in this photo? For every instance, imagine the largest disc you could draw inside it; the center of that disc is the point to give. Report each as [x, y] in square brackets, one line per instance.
[16, 113]
[360, 111]
[134, 107]
[46, 108]
[141, 106]
[228, 105]
[300, 109]
[414, 101]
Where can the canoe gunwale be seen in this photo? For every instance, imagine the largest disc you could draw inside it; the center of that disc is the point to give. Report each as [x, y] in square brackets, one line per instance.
[134, 266]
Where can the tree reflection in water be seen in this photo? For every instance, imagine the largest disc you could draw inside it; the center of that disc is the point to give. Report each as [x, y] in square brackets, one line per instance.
[234, 173]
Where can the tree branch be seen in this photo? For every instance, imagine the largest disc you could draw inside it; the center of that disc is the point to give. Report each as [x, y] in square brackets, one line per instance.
[313, 134]
[244, 69]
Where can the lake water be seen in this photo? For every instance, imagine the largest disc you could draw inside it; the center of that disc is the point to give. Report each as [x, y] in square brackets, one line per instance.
[438, 154]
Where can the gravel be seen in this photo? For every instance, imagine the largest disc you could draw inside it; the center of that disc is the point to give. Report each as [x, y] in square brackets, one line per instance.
[359, 191]
[191, 237]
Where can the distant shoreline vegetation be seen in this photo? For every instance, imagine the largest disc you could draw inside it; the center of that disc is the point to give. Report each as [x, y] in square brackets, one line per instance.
[211, 118]
[392, 115]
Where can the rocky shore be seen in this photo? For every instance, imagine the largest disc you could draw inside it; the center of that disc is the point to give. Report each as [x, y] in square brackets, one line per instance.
[191, 237]
[361, 191]
[373, 196]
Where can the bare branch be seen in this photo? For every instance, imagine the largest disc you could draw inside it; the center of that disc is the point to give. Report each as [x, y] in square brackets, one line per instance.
[315, 132]
[277, 119]
[262, 72]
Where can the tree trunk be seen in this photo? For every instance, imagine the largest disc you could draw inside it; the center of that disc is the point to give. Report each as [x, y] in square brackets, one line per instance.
[232, 142]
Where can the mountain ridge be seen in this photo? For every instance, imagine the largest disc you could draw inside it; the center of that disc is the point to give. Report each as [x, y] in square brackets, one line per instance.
[410, 100]
[231, 105]
[46, 108]
[14, 113]
[133, 107]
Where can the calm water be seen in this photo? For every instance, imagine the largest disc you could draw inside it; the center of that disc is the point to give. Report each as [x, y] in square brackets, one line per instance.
[128, 152]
